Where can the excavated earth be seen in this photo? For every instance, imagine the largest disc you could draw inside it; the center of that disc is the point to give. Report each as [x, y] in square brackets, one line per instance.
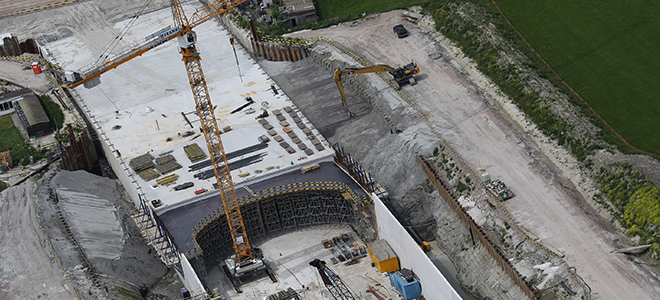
[466, 110]
[452, 104]
[67, 234]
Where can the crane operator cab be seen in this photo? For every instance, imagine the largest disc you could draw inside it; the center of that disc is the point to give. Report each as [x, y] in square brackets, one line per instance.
[187, 40]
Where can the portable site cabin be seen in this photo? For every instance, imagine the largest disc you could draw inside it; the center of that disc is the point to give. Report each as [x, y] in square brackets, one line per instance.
[383, 256]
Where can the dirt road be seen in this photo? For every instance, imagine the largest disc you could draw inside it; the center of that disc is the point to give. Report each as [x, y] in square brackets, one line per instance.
[545, 201]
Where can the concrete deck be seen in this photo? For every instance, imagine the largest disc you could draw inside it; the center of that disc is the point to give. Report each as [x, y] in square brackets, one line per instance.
[289, 256]
[139, 106]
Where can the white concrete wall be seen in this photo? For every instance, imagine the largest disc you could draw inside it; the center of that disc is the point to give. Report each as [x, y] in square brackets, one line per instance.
[242, 35]
[190, 279]
[119, 166]
[411, 256]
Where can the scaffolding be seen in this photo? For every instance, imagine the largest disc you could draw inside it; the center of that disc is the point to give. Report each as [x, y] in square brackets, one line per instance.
[347, 162]
[154, 231]
[274, 215]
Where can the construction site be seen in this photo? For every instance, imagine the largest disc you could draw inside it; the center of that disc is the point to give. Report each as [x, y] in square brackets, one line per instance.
[322, 165]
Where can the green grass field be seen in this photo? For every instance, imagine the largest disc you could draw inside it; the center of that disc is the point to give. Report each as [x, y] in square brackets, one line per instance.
[11, 139]
[351, 9]
[607, 51]
[9, 135]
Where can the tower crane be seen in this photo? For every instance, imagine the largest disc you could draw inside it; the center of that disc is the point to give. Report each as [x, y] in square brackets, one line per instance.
[401, 75]
[243, 262]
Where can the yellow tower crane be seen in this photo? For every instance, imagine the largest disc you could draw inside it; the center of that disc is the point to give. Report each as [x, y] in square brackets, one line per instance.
[243, 262]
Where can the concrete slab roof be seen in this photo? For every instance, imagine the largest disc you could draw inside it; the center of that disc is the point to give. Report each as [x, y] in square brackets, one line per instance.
[15, 94]
[34, 112]
[139, 107]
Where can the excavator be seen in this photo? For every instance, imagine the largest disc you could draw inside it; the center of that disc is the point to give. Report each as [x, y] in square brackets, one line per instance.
[244, 262]
[401, 75]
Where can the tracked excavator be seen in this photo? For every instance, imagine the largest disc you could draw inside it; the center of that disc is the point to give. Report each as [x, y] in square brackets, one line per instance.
[401, 75]
[244, 262]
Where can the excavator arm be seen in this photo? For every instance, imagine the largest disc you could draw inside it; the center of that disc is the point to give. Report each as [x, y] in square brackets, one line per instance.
[339, 73]
[400, 75]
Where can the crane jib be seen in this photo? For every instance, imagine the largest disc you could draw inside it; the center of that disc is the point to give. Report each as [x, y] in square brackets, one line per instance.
[169, 32]
[157, 44]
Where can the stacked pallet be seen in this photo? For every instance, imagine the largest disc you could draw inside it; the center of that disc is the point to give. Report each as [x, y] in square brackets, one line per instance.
[194, 152]
[149, 174]
[142, 162]
[166, 164]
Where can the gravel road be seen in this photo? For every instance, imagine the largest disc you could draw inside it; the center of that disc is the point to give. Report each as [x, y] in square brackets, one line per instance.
[547, 203]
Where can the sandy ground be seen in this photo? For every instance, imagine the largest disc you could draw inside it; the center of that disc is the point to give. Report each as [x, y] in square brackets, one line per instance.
[33, 267]
[9, 6]
[546, 202]
[28, 269]
[21, 73]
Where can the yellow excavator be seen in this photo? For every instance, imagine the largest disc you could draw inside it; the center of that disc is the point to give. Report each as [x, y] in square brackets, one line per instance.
[401, 75]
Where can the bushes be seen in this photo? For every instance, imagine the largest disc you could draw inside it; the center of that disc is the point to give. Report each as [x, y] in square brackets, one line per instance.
[642, 217]
[53, 111]
[11, 140]
[635, 201]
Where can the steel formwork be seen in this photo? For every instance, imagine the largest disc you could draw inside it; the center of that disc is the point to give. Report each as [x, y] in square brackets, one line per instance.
[278, 214]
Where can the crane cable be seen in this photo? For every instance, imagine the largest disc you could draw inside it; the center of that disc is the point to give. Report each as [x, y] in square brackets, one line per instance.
[113, 44]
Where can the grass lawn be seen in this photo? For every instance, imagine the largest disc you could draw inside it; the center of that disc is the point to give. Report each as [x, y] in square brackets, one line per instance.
[606, 50]
[350, 9]
[10, 138]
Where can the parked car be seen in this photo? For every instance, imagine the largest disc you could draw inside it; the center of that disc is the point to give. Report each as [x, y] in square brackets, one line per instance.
[401, 31]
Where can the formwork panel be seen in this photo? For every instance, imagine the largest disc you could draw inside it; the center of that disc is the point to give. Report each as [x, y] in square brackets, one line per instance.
[276, 215]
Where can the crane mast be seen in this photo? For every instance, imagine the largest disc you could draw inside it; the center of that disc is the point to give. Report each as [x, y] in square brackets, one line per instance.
[244, 262]
[193, 63]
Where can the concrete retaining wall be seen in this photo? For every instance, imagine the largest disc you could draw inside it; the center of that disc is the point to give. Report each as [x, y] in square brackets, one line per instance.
[477, 232]
[241, 35]
[411, 256]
